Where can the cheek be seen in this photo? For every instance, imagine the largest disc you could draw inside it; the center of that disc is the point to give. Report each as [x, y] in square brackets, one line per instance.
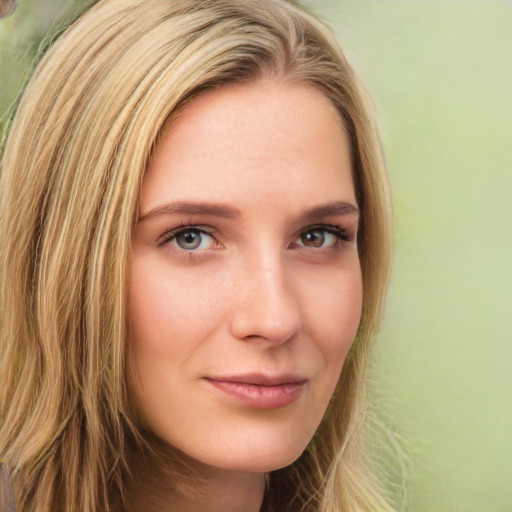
[332, 317]
[333, 308]
[170, 314]
[168, 309]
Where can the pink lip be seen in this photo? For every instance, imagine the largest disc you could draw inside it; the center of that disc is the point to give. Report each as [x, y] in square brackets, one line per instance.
[261, 391]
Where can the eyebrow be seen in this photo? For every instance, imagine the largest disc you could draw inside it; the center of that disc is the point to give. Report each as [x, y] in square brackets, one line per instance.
[216, 210]
[331, 209]
[230, 212]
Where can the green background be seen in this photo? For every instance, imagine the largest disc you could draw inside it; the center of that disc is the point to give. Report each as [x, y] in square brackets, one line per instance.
[440, 72]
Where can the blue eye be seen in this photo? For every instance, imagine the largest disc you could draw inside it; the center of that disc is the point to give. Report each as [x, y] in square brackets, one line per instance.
[191, 239]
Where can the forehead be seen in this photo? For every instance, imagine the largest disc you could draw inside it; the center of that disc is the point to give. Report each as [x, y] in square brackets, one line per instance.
[269, 139]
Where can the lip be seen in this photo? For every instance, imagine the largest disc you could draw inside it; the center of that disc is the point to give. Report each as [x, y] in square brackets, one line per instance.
[260, 391]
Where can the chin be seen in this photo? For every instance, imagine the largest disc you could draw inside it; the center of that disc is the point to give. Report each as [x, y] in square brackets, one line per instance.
[259, 459]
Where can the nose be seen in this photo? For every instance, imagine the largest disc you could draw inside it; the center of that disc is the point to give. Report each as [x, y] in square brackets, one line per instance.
[266, 306]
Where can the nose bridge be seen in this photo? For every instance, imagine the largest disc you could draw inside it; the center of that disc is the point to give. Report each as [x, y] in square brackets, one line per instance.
[268, 307]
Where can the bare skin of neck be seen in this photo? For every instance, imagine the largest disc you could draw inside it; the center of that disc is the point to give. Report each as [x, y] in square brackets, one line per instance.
[214, 491]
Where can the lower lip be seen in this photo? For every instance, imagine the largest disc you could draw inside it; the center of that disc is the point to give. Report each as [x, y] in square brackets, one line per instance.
[261, 397]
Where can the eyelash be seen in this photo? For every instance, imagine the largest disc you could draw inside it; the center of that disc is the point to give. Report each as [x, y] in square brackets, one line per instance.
[340, 233]
[170, 235]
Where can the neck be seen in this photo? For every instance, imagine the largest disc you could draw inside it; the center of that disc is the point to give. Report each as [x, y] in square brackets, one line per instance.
[193, 488]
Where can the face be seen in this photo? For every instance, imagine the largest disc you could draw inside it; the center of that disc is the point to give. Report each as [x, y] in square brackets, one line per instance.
[245, 292]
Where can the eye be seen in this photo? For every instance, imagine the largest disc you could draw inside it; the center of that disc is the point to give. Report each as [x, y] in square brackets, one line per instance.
[190, 239]
[321, 237]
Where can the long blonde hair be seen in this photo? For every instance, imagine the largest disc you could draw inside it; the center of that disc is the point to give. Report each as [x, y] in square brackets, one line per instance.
[72, 166]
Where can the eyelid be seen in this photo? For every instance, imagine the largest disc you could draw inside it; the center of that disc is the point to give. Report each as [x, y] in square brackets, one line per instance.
[174, 232]
[342, 235]
[338, 231]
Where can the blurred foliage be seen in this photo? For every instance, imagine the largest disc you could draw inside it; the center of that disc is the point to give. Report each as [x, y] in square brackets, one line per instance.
[23, 37]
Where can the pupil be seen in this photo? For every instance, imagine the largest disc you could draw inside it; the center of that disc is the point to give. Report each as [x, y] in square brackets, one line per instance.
[313, 239]
[189, 240]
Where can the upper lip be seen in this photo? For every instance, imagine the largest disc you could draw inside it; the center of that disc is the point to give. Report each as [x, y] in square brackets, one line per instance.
[260, 379]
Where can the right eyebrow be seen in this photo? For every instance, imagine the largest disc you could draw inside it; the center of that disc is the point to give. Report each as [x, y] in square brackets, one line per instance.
[217, 210]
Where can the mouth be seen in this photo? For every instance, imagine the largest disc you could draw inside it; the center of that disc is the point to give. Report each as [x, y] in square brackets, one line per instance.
[260, 391]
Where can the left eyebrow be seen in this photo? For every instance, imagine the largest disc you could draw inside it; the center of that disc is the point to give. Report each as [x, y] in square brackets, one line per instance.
[337, 208]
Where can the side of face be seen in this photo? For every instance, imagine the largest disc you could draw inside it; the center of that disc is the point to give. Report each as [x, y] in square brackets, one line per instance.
[245, 292]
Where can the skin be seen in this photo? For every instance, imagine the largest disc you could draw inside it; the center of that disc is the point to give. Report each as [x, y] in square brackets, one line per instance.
[266, 283]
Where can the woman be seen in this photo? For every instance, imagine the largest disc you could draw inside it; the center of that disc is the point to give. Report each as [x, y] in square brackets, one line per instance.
[198, 227]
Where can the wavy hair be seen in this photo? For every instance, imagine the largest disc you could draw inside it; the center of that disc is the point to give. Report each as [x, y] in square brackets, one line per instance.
[71, 172]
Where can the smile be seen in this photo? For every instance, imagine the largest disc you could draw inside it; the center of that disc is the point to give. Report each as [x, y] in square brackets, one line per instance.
[261, 392]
